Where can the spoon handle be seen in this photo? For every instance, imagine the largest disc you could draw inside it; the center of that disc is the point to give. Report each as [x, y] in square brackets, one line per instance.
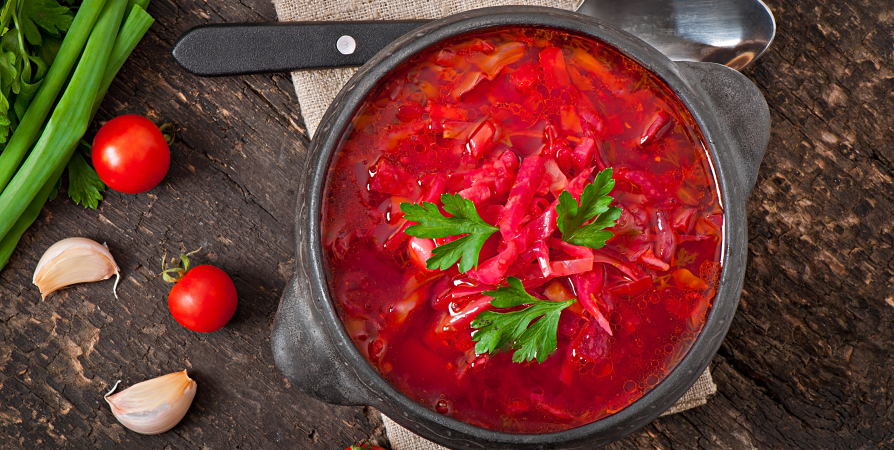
[235, 49]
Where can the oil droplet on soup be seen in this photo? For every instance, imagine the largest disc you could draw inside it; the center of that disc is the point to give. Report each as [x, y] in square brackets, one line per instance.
[462, 117]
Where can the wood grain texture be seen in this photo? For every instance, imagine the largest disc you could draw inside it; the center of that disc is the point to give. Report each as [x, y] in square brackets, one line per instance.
[807, 362]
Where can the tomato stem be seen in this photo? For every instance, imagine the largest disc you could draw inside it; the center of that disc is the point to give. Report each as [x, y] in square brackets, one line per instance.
[170, 135]
[179, 270]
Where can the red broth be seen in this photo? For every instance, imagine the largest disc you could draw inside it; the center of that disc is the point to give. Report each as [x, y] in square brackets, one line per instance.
[545, 109]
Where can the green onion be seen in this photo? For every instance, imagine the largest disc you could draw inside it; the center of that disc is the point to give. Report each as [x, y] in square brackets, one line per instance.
[135, 26]
[68, 122]
[141, 3]
[9, 242]
[29, 128]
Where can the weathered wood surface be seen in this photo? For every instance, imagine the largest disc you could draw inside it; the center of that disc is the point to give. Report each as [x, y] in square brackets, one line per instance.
[807, 362]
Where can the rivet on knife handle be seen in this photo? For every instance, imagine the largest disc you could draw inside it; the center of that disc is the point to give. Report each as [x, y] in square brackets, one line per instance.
[224, 49]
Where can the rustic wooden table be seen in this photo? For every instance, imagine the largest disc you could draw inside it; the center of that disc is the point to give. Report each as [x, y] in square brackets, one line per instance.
[807, 362]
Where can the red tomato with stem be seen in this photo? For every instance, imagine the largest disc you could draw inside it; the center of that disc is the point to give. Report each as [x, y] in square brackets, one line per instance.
[203, 298]
[130, 154]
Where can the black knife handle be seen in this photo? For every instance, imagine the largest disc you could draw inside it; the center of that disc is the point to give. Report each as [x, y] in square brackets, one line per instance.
[225, 49]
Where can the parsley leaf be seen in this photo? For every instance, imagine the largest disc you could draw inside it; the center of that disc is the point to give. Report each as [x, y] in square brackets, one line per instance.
[432, 224]
[84, 185]
[49, 15]
[497, 330]
[594, 202]
[30, 35]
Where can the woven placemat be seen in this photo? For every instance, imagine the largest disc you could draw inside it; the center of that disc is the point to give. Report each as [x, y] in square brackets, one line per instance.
[317, 88]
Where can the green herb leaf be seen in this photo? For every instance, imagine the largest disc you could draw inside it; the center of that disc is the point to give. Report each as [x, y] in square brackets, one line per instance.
[84, 185]
[5, 123]
[594, 202]
[432, 225]
[49, 15]
[497, 331]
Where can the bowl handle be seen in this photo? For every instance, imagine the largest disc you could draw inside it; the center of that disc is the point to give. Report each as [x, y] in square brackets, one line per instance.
[743, 115]
[305, 353]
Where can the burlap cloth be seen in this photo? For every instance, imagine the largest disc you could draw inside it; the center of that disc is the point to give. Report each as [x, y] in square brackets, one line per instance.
[317, 88]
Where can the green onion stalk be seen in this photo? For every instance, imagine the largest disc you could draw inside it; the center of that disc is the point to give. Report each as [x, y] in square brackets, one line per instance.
[134, 28]
[29, 128]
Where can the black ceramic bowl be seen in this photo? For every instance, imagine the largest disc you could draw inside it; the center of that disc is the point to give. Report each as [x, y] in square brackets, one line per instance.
[310, 343]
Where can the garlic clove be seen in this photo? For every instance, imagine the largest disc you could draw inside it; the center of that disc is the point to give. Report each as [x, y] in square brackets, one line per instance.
[153, 406]
[74, 260]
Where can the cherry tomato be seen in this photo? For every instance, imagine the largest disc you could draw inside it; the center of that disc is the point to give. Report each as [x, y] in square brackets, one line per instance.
[204, 299]
[130, 154]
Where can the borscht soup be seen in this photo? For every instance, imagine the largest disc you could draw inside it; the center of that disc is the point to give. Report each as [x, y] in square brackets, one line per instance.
[522, 229]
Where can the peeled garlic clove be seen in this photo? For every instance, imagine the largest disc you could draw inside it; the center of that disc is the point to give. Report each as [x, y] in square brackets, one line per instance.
[74, 260]
[153, 406]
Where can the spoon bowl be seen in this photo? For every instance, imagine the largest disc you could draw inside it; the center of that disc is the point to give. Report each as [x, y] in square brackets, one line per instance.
[730, 32]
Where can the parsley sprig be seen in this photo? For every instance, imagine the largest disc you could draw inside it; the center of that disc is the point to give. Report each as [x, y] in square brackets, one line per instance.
[594, 202]
[513, 330]
[433, 225]
[531, 331]
[84, 185]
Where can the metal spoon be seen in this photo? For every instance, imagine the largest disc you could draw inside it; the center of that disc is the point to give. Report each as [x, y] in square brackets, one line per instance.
[730, 32]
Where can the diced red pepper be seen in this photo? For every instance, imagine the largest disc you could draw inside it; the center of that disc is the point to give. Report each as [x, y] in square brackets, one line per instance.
[409, 112]
[583, 154]
[477, 194]
[420, 250]
[390, 178]
[658, 127]
[564, 159]
[481, 140]
[436, 185]
[555, 75]
[524, 77]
